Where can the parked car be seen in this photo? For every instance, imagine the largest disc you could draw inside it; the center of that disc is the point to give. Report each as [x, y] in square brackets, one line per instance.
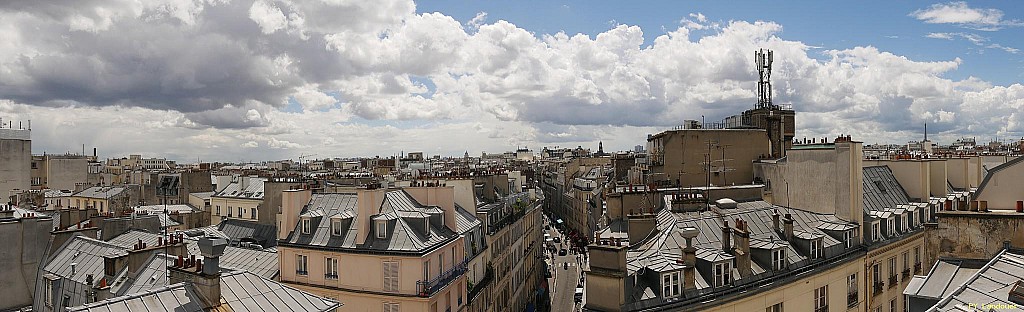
[562, 252]
[579, 294]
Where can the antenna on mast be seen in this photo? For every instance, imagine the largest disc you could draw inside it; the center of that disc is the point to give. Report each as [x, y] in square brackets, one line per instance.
[763, 58]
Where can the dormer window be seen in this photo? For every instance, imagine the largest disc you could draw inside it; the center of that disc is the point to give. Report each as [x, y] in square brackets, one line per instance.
[382, 228]
[723, 272]
[670, 284]
[848, 237]
[892, 227]
[305, 226]
[876, 232]
[816, 249]
[779, 259]
[336, 227]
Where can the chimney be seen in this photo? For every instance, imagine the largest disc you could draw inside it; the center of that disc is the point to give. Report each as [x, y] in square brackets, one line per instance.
[368, 203]
[640, 227]
[974, 206]
[608, 263]
[775, 221]
[203, 275]
[1020, 206]
[726, 237]
[983, 206]
[742, 250]
[689, 259]
[787, 225]
[292, 202]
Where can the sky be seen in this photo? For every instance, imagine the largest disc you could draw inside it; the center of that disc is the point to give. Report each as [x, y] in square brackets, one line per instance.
[219, 80]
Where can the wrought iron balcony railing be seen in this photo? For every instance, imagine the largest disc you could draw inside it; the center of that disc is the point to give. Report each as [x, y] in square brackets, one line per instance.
[428, 288]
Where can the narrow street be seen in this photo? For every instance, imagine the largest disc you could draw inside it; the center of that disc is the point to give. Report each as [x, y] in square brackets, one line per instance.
[565, 278]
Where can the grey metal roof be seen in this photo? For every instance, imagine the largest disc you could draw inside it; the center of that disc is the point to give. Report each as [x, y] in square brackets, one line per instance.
[253, 189]
[465, 220]
[87, 255]
[943, 278]
[663, 250]
[989, 286]
[240, 291]
[398, 209]
[153, 209]
[250, 231]
[202, 195]
[882, 190]
[260, 262]
[100, 192]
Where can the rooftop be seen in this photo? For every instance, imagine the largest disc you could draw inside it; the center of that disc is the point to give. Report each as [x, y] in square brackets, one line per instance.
[991, 285]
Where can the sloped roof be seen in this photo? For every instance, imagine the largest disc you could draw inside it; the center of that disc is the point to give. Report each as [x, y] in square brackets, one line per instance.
[942, 280]
[465, 220]
[100, 192]
[881, 189]
[245, 230]
[263, 263]
[995, 170]
[989, 286]
[253, 189]
[240, 291]
[396, 209]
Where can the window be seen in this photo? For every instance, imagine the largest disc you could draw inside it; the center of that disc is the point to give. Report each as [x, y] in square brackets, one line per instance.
[774, 308]
[892, 227]
[239, 212]
[892, 272]
[218, 210]
[670, 284]
[880, 186]
[382, 228]
[391, 276]
[301, 265]
[779, 259]
[336, 227]
[892, 305]
[426, 270]
[876, 232]
[229, 211]
[906, 263]
[821, 299]
[48, 292]
[722, 273]
[252, 213]
[876, 277]
[848, 237]
[391, 307]
[816, 249]
[917, 259]
[101, 206]
[851, 290]
[305, 226]
[331, 268]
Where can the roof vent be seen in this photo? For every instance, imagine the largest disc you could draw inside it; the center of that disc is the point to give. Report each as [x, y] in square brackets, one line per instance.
[726, 203]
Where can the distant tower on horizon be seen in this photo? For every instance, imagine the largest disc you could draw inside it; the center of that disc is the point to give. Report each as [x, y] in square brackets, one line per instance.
[600, 147]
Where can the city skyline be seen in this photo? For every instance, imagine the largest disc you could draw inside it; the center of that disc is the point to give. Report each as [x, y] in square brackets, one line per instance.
[269, 80]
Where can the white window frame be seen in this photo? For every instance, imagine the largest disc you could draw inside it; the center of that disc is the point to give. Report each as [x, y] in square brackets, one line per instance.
[218, 210]
[336, 227]
[774, 308]
[848, 237]
[670, 284]
[302, 265]
[305, 226]
[392, 307]
[820, 298]
[817, 248]
[723, 273]
[876, 231]
[331, 267]
[851, 285]
[382, 228]
[779, 258]
[391, 275]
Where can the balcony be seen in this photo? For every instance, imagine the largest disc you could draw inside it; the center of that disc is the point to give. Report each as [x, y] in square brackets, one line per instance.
[906, 273]
[302, 272]
[331, 276]
[475, 289]
[851, 300]
[429, 288]
[821, 309]
[877, 288]
[892, 281]
[917, 268]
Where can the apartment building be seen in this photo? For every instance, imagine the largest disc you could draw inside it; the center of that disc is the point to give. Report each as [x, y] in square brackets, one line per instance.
[240, 197]
[513, 232]
[698, 157]
[15, 159]
[116, 199]
[405, 242]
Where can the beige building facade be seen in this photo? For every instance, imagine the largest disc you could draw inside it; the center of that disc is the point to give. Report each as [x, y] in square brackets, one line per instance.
[690, 157]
